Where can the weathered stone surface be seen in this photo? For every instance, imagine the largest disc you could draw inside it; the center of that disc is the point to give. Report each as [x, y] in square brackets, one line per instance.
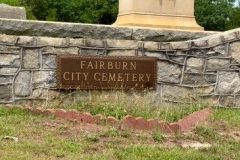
[13, 49]
[25, 40]
[56, 50]
[152, 46]
[46, 41]
[178, 93]
[237, 101]
[214, 40]
[166, 35]
[9, 60]
[226, 101]
[228, 83]
[165, 46]
[121, 53]
[199, 79]
[218, 51]
[180, 45]
[235, 52]
[94, 43]
[12, 12]
[5, 92]
[160, 55]
[198, 52]
[204, 90]
[44, 79]
[178, 59]
[8, 71]
[122, 44]
[76, 42]
[168, 72]
[6, 79]
[40, 93]
[31, 59]
[49, 61]
[229, 35]
[92, 51]
[7, 38]
[217, 64]
[195, 65]
[199, 43]
[76, 30]
[22, 86]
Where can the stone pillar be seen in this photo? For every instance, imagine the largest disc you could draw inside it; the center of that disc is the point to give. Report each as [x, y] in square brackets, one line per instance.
[11, 12]
[169, 14]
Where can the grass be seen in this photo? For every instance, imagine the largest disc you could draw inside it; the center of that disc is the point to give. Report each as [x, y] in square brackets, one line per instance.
[141, 104]
[44, 138]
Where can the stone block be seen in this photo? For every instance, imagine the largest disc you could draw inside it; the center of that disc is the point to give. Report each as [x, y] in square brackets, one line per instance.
[9, 49]
[7, 38]
[180, 45]
[214, 40]
[47, 41]
[76, 42]
[160, 55]
[12, 12]
[6, 79]
[195, 65]
[8, 71]
[95, 43]
[237, 101]
[217, 64]
[92, 51]
[199, 79]
[227, 101]
[229, 36]
[59, 50]
[197, 52]
[235, 52]
[31, 59]
[163, 14]
[151, 46]
[44, 79]
[121, 52]
[177, 59]
[169, 72]
[49, 61]
[165, 46]
[25, 40]
[122, 44]
[218, 51]
[5, 92]
[178, 93]
[11, 60]
[199, 43]
[204, 89]
[228, 83]
[22, 86]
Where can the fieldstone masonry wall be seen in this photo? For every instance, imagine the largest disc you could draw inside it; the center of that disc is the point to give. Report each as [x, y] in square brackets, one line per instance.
[187, 70]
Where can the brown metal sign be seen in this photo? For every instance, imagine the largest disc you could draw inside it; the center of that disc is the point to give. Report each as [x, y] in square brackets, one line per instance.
[105, 72]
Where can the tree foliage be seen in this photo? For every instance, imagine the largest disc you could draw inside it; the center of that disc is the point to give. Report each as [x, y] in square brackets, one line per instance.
[215, 15]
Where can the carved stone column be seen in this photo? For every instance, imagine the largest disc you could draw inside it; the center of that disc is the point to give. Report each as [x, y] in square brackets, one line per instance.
[169, 14]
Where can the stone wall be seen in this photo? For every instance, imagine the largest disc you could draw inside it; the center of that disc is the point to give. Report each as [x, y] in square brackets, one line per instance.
[205, 68]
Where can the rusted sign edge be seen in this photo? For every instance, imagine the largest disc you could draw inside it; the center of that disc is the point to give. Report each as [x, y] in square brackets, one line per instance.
[76, 87]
